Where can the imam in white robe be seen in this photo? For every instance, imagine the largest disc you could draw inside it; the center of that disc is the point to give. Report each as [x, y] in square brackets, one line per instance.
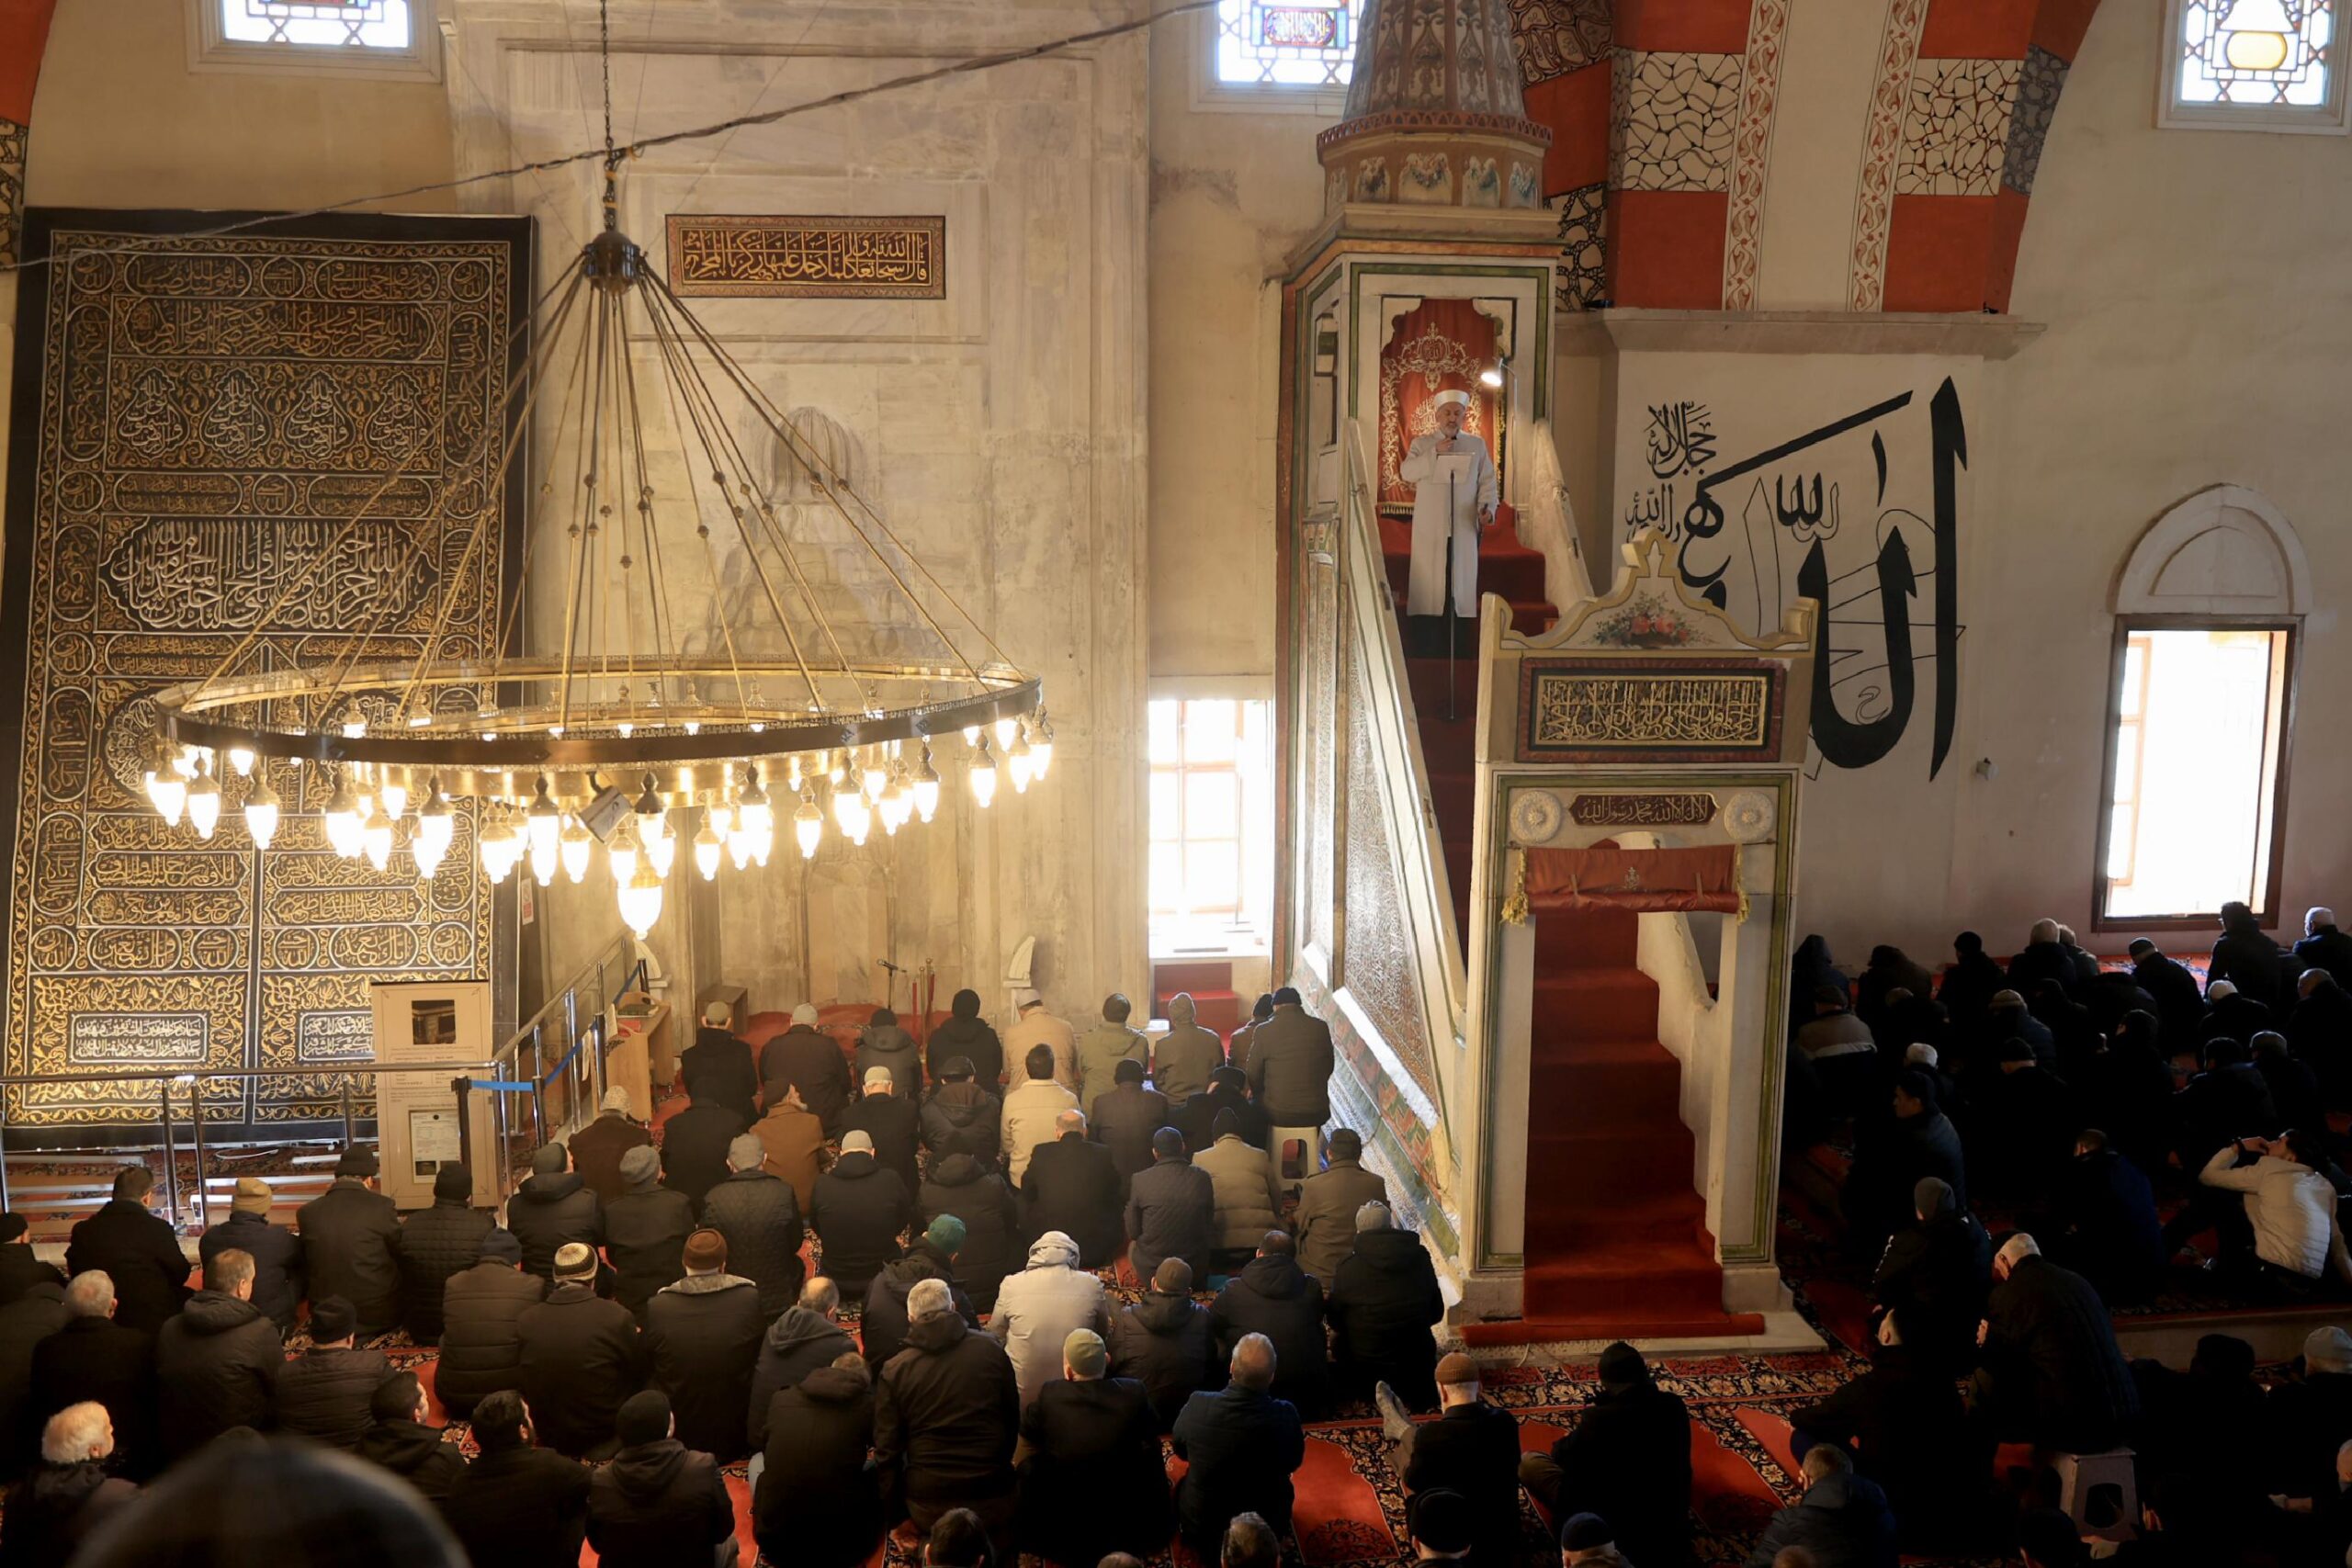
[1473, 491]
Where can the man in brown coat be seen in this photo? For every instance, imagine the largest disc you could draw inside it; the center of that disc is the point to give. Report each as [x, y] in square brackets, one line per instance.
[1327, 1202]
[596, 1149]
[792, 1134]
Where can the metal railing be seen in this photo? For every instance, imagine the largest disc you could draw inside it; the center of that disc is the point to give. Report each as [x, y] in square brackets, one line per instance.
[517, 1076]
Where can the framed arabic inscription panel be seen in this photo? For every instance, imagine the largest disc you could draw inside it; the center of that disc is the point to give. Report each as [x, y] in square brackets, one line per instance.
[198, 424]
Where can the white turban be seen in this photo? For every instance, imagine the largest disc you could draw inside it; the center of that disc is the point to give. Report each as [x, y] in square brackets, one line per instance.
[1455, 395]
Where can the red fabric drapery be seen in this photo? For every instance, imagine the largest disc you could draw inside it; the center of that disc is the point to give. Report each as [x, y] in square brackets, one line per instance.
[1439, 346]
[1705, 879]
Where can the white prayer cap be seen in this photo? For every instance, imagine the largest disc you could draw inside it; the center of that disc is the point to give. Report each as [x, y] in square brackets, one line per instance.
[2220, 991]
[1919, 1054]
[1455, 395]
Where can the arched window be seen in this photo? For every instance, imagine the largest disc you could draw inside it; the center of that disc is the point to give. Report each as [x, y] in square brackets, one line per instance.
[2209, 615]
[2252, 66]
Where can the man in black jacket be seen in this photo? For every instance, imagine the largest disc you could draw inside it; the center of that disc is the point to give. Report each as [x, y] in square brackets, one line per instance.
[962, 1116]
[645, 1229]
[1073, 1186]
[2052, 1373]
[1891, 1156]
[1092, 1483]
[1471, 1449]
[960, 1187]
[138, 1251]
[401, 1441]
[809, 1336]
[693, 1147]
[518, 1505]
[435, 1243]
[658, 1501]
[24, 1324]
[323, 1394]
[1905, 1425]
[891, 1121]
[1172, 1208]
[553, 1206]
[580, 1360]
[277, 1252]
[803, 1058]
[883, 1325]
[350, 1243]
[1241, 1447]
[1165, 1342]
[1383, 1305]
[719, 1070]
[1936, 1272]
[816, 1504]
[481, 1338]
[761, 1220]
[2181, 1004]
[1274, 1297]
[1629, 1453]
[217, 1363]
[858, 1211]
[2247, 958]
[1196, 1118]
[95, 1358]
[20, 1270]
[2111, 1233]
[703, 1335]
[968, 1035]
[1126, 1117]
[945, 1418]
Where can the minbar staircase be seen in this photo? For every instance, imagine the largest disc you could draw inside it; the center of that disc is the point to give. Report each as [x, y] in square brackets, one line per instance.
[1617, 1241]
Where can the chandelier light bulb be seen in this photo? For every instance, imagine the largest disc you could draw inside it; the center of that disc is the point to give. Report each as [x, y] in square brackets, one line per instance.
[926, 790]
[625, 728]
[720, 815]
[394, 798]
[574, 847]
[708, 848]
[1020, 761]
[167, 791]
[971, 735]
[436, 827]
[1006, 729]
[342, 820]
[897, 804]
[375, 838]
[837, 767]
[203, 802]
[545, 824]
[876, 777]
[661, 847]
[808, 825]
[1041, 746]
[242, 759]
[620, 853]
[260, 811]
[983, 776]
[640, 899]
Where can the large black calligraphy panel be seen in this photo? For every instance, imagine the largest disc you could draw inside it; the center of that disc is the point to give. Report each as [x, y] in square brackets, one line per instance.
[199, 423]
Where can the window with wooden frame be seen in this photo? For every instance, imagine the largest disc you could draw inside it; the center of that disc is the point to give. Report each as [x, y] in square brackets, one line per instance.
[1212, 863]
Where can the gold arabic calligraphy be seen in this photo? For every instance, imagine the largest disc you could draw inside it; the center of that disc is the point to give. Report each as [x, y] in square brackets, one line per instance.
[810, 258]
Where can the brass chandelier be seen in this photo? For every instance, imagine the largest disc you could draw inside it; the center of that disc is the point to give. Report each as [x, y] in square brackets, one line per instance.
[625, 735]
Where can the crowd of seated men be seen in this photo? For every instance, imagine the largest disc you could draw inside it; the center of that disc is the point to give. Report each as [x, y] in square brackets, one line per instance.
[641, 1314]
[2131, 1134]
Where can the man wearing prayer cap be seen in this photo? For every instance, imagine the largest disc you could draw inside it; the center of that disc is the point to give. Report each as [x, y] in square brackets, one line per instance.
[893, 1121]
[719, 1068]
[1456, 489]
[858, 1210]
[596, 1149]
[275, 1251]
[1093, 1482]
[702, 1336]
[811, 1062]
[1471, 1450]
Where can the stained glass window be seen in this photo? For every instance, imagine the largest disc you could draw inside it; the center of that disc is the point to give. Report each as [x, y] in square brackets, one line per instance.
[359, 24]
[1285, 43]
[2256, 63]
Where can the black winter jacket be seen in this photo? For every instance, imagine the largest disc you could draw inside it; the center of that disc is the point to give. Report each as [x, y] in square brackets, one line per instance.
[482, 1340]
[580, 1360]
[1906, 1424]
[883, 1323]
[658, 1505]
[1934, 1276]
[963, 1119]
[895, 1127]
[722, 1070]
[98, 1359]
[961, 1185]
[1241, 1450]
[694, 1148]
[794, 1345]
[1196, 1119]
[946, 1415]
[761, 1220]
[546, 1211]
[216, 1367]
[1073, 1186]
[2050, 1331]
[140, 1254]
[968, 1034]
[24, 1324]
[1274, 1297]
[1171, 1213]
[1473, 1449]
[416, 1453]
[325, 1394]
[520, 1508]
[21, 1269]
[858, 1210]
[803, 1059]
[54, 1511]
[1093, 1482]
[435, 1243]
[276, 1253]
[1123, 1122]
[1384, 1301]
[351, 1240]
[816, 1504]
[1169, 1345]
[645, 1240]
[1630, 1453]
[1842, 1520]
[703, 1335]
